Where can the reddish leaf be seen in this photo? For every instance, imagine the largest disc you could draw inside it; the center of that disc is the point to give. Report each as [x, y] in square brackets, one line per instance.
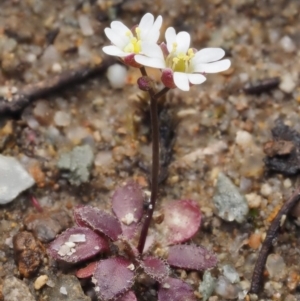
[191, 257]
[98, 220]
[127, 203]
[129, 296]
[77, 244]
[130, 231]
[175, 290]
[182, 220]
[87, 271]
[113, 277]
[155, 268]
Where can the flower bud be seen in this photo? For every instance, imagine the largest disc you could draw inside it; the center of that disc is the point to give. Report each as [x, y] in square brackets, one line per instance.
[167, 78]
[145, 83]
[130, 61]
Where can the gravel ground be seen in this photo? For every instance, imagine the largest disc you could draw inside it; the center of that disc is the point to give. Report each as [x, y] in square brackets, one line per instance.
[220, 130]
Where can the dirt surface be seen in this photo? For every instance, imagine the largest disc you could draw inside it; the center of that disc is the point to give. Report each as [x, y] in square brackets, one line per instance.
[218, 127]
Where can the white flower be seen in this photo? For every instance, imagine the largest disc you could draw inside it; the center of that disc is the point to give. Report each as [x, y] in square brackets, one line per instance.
[126, 42]
[184, 65]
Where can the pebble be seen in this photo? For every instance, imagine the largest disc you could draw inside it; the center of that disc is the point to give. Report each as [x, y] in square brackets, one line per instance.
[287, 44]
[276, 266]
[243, 139]
[28, 253]
[62, 118]
[207, 285]
[45, 226]
[77, 164]
[231, 274]
[14, 179]
[67, 288]
[14, 289]
[225, 289]
[104, 159]
[229, 203]
[254, 241]
[85, 25]
[266, 189]
[254, 200]
[287, 83]
[117, 76]
[40, 282]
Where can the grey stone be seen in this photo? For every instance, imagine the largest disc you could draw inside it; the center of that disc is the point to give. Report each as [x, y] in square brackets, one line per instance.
[14, 289]
[231, 274]
[67, 288]
[207, 285]
[231, 205]
[77, 164]
[14, 179]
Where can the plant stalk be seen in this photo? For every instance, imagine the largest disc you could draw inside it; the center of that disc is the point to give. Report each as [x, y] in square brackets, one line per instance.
[155, 162]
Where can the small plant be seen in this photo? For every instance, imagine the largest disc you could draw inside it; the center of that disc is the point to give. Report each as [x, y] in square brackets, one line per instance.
[117, 271]
[122, 238]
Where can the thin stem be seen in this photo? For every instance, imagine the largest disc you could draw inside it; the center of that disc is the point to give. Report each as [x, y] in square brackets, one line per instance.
[155, 162]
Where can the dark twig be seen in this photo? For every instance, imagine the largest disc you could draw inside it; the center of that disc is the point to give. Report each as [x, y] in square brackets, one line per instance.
[267, 244]
[17, 102]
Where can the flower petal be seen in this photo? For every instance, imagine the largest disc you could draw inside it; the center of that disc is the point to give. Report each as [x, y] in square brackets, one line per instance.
[152, 50]
[119, 27]
[170, 36]
[181, 81]
[146, 22]
[154, 32]
[196, 79]
[214, 67]
[208, 55]
[114, 50]
[116, 39]
[183, 40]
[150, 61]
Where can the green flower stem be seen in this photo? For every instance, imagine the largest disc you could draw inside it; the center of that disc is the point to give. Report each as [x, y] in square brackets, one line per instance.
[155, 161]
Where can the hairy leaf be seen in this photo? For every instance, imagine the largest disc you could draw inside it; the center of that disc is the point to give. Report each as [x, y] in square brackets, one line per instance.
[191, 257]
[77, 244]
[98, 220]
[175, 290]
[87, 271]
[182, 220]
[129, 296]
[113, 277]
[155, 268]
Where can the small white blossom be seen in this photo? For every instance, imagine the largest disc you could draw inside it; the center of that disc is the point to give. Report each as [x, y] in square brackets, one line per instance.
[127, 42]
[181, 64]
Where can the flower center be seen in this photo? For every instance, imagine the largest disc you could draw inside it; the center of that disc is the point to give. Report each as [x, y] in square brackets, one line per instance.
[134, 45]
[179, 61]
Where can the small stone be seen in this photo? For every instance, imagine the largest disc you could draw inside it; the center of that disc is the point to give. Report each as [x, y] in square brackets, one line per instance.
[225, 289]
[77, 164]
[207, 285]
[42, 112]
[85, 25]
[287, 84]
[14, 289]
[231, 274]
[14, 179]
[40, 282]
[287, 44]
[230, 204]
[62, 118]
[276, 266]
[28, 253]
[266, 189]
[117, 75]
[56, 68]
[67, 288]
[45, 226]
[254, 200]
[243, 139]
[254, 240]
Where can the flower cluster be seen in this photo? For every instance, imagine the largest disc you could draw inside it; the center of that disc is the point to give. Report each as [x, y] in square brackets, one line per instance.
[181, 65]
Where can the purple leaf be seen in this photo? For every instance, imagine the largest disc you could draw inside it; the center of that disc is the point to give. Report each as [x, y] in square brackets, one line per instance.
[113, 277]
[129, 296]
[77, 244]
[87, 271]
[175, 290]
[155, 268]
[130, 231]
[191, 257]
[98, 220]
[127, 203]
[182, 220]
